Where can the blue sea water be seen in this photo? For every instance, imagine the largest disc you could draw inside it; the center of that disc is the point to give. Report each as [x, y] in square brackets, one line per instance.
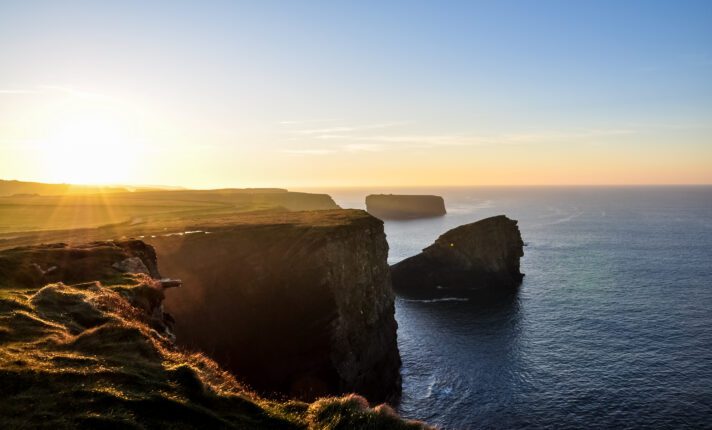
[612, 327]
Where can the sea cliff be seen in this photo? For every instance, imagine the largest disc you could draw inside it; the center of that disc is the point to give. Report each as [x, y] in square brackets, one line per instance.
[293, 303]
[85, 343]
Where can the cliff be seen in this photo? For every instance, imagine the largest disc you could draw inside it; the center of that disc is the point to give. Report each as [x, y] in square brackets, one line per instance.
[394, 206]
[84, 343]
[293, 303]
[474, 258]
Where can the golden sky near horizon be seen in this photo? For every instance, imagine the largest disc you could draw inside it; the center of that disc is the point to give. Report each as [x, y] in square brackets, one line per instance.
[319, 95]
[66, 135]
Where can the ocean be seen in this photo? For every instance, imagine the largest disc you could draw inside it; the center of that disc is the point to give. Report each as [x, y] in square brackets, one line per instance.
[611, 328]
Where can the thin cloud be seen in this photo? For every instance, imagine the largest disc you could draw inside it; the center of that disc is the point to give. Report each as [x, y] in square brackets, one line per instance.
[308, 151]
[365, 147]
[306, 121]
[347, 129]
[558, 136]
[428, 140]
[393, 142]
[50, 89]
[12, 92]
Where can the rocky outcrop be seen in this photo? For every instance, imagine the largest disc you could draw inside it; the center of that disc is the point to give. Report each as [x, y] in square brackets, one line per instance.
[481, 257]
[35, 266]
[293, 303]
[395, 206]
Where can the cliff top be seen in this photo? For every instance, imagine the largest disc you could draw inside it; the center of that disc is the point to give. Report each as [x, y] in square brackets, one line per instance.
[31, 213]
[471, 230]
[157, 213]
[321, 218]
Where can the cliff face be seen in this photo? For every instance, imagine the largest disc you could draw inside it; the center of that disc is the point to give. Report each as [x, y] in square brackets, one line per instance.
[294, 303]
[91, 349]
[394, 206]
[479, 257]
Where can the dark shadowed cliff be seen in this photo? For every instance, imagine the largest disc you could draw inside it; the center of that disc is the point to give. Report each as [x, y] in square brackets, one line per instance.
[401, 206]
[481, 257]
[296, 303]
[84, 343]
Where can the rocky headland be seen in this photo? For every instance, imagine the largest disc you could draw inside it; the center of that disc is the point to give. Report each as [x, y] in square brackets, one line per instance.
[404, 206]
[85, 342]
[294, 303]
[477, 258]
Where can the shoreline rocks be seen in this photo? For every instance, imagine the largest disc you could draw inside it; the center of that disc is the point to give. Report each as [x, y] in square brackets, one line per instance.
[402, 206]
[476, 258]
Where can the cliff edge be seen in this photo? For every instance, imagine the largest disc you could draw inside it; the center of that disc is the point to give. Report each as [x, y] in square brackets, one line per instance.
[474, 258]
[404, 206]
[84, 343]
[296, 304]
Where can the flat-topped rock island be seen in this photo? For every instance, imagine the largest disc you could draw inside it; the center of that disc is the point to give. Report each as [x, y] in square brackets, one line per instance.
[404, 206]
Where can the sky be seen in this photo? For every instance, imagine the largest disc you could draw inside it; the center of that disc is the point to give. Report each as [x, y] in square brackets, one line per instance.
[334, 93]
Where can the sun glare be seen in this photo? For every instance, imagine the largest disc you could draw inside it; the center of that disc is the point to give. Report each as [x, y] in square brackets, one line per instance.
[90, 147]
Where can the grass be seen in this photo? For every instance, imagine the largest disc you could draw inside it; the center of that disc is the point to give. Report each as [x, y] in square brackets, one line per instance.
[96, 355]
[42, 213]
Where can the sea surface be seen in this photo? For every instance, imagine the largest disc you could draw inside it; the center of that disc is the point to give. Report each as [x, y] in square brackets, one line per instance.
[612, 327]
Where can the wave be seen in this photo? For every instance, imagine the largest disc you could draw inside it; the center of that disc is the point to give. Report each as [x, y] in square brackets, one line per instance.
[444, 299]
[565, 219]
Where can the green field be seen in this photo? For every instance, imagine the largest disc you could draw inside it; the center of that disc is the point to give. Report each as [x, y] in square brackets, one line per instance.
[21, 214]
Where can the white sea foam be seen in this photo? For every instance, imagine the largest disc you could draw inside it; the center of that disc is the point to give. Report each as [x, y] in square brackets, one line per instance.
[443, 299]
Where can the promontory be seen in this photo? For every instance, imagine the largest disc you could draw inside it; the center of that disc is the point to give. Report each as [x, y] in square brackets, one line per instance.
[85, 341]
[295, 303]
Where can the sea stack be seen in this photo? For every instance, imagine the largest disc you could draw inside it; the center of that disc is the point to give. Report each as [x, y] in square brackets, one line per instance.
[402, 206]
[294, 303]
[477, 258]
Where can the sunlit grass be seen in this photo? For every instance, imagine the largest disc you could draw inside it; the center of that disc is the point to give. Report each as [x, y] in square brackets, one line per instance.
[88, 355]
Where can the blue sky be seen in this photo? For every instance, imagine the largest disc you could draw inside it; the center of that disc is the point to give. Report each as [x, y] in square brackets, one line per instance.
[282, 83]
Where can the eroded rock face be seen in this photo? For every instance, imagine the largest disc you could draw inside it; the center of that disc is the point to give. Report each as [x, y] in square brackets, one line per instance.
[474, 258]
[401, 206]
[294, 303]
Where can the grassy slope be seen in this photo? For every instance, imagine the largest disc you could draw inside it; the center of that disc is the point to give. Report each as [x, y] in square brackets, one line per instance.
[8, 188]
[28, 215]
[90, 355]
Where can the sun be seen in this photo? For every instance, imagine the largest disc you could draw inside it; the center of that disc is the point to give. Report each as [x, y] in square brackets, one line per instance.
[90, 146]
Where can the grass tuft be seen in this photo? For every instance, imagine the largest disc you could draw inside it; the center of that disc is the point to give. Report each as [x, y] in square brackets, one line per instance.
[92, 355]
